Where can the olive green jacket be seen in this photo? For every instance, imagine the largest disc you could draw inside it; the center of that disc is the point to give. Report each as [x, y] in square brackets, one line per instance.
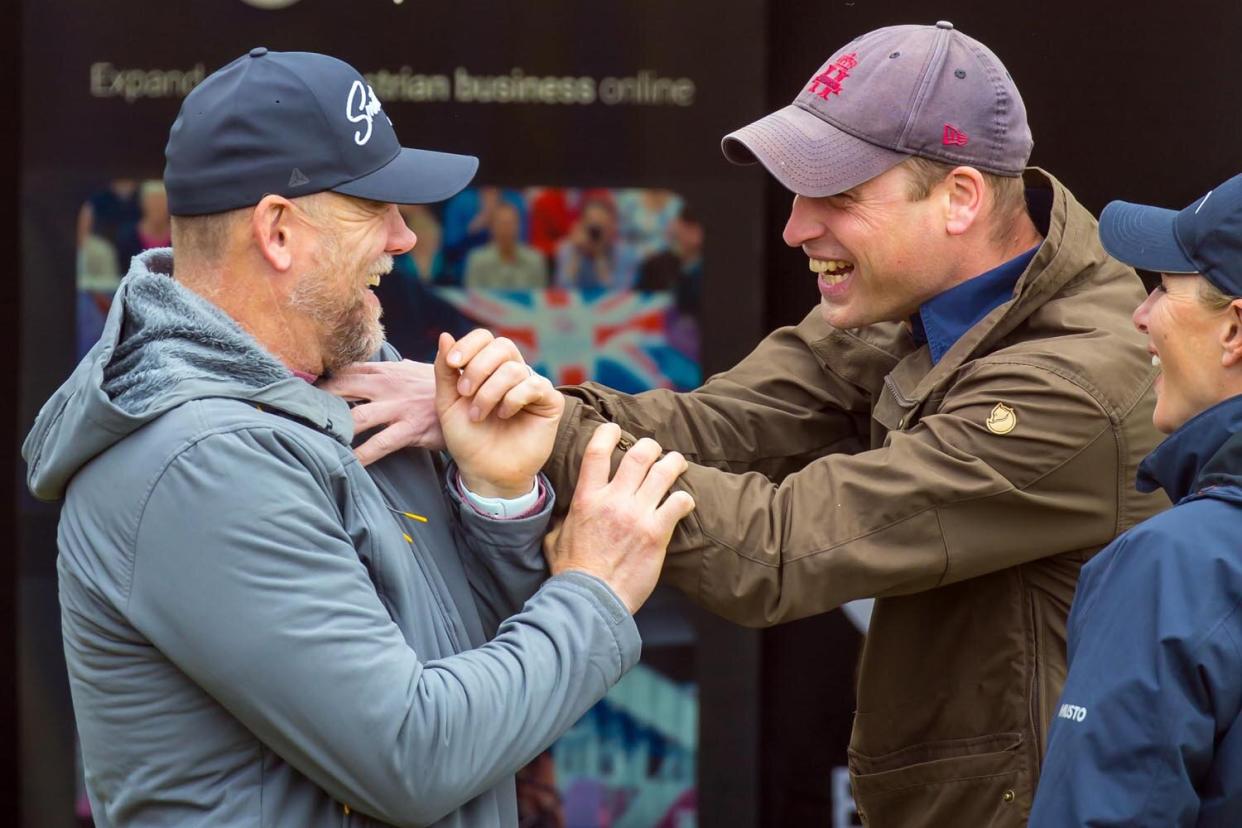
[831, 465]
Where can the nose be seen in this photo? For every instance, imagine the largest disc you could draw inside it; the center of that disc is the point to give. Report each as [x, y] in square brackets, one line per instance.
[400, 237]
[1143, 311]
[805, 222]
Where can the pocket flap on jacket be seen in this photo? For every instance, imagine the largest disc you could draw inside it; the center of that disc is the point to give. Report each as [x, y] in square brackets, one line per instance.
[931, 763]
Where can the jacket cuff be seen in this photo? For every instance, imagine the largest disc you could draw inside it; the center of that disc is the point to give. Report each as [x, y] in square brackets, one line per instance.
[503, 508]
[611, 610]
[506, 533]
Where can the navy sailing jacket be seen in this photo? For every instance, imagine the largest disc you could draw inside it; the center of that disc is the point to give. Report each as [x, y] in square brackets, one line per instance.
[1147, 730]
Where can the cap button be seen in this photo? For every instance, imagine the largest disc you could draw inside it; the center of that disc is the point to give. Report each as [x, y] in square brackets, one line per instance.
[258, 51]
[940, 24]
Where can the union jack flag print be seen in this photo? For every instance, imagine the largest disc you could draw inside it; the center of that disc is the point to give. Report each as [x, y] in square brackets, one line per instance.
[620, 339]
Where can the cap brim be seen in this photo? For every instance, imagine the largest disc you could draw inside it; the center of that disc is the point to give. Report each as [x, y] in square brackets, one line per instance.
[1143, 237]
[808, 155]
[415, 176]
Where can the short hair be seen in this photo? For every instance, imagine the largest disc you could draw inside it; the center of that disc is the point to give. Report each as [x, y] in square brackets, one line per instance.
[205, 238]
[1008, 192]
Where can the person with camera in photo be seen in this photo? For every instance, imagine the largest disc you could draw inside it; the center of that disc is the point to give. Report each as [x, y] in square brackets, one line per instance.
[593, 256]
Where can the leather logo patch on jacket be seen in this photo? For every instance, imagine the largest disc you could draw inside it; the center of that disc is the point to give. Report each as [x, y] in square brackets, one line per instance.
[1002, 419]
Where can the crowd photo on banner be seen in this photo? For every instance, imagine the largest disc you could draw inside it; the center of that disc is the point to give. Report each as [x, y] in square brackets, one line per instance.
[592, 284]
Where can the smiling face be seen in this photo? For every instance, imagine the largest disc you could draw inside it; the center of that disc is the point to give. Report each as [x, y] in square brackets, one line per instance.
[878, 254]
[354, 247]
[1189, 341]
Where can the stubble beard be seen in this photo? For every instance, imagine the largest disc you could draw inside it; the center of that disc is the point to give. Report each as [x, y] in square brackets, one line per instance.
[349, 326]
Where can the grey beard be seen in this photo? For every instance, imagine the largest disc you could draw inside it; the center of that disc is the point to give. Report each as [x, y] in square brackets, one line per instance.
[349, 334]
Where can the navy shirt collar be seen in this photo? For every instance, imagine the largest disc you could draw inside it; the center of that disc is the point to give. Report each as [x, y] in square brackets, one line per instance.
[946, 317]
[1193, 456]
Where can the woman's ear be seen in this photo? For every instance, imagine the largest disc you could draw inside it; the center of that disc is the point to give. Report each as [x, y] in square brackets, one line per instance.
[1231, 335]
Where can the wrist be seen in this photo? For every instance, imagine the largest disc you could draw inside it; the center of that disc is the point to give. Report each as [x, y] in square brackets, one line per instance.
[500, 489]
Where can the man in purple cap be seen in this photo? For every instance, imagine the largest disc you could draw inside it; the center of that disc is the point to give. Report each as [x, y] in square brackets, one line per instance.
[259, 631]
[954, 430]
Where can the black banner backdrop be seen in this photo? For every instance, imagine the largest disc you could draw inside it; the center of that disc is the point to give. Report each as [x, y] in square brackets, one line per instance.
[1124, 102]
[553, 93]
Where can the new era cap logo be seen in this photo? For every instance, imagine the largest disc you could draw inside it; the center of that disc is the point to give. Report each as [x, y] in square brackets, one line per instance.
[362, 105]
[954, 137]
[828, 82]
[297, 178]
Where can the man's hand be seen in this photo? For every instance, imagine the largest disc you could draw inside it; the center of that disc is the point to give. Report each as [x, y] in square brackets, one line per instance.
[618, 530]
[498, 456]
[400, 402]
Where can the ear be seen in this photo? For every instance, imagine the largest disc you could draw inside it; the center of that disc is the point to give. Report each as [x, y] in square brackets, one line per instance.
[1231, 335]
[965, 199]
[274, 226]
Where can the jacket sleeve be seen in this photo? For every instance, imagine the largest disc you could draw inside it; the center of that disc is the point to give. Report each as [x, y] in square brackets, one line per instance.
[804, 391]
[1151, 692]
[263, 601]
[936, 504]
[503, 557]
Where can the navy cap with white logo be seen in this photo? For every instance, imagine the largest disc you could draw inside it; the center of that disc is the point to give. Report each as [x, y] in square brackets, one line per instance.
[1204, 238]
[293, 124]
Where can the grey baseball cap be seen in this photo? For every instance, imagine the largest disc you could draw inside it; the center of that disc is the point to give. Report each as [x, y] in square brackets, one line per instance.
[890, 94]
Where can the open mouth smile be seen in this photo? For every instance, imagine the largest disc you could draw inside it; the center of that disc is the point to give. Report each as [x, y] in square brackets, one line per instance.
[831, 271]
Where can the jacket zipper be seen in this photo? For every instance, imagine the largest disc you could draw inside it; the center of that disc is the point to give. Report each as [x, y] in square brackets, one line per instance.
[901, 398]
[1036, 709]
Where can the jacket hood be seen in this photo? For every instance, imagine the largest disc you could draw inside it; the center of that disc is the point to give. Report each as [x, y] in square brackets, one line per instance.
[1205, 452]
[162, 345]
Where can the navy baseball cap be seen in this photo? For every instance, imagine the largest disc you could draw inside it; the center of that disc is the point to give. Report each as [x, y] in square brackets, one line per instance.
[293, 124]
[1204, 238]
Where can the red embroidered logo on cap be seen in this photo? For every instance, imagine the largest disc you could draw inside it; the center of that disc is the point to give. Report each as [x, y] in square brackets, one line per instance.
[828, 82]
[954, 137]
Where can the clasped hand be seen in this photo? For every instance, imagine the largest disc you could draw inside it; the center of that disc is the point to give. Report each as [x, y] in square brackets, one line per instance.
[442, 407]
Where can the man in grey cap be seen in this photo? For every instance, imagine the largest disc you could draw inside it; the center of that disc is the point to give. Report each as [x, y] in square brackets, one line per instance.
[259, 631]
[954, 429]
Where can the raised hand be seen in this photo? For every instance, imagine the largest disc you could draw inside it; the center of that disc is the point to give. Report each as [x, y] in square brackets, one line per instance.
[498, 417]
[619, 529]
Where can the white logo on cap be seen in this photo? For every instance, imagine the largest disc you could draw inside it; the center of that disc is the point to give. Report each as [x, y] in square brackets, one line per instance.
[362, 105]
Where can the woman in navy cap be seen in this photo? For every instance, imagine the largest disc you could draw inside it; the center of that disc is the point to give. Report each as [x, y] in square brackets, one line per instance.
[1147, 728]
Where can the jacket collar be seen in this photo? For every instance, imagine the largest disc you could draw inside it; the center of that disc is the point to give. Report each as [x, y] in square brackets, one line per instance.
[946, 317]
[1205, 451]
[1070, 248]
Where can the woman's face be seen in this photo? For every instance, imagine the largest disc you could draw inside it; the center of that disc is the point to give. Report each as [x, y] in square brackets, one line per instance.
[1185, 338]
